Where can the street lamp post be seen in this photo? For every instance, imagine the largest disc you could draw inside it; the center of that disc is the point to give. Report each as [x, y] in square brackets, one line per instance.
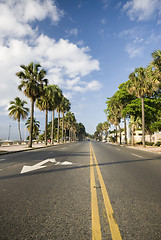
[9, 132]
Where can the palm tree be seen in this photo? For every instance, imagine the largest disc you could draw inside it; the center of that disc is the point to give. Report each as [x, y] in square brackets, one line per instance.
[134, 123]
[64, 107]
[71, 120]
[55, 102]
[43, 103]
[114, 110]
[142, 82]
[58, 111]
[157, 59]
[36, 126]
[32, 81]
[18, 111]
[105, 126]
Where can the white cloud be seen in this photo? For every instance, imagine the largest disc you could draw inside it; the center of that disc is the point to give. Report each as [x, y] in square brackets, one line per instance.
[135, 34]
[63, 60]
[15, 16]
[91, 86]
[153, 38]
[103, 21]
[141, 10]
[133, 50]
[72, 32]
[67, 64]
[105, 4]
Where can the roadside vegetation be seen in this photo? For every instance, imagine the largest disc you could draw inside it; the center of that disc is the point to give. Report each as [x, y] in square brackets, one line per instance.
[46, 98]
[138, 99]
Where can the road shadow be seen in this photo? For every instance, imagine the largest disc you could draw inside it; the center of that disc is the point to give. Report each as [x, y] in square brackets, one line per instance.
[75, 167]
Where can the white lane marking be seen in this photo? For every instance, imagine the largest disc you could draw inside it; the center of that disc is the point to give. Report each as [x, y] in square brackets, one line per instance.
[117, 149]
[64, 163]
[136, 155]
[37, 166]
[2, 160]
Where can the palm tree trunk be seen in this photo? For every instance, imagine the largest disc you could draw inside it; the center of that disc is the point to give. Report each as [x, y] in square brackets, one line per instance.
[65, 135]
[19, 129]
[58, 126]
[120, 133]
[63, 128]
[125, 131]
[69, 135]
[31, 123]
[52, 128]
[143, 122]
[132, 131]
[46, 122]
[116, 133]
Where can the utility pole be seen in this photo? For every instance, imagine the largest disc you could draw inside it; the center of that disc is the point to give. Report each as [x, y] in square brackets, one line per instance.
[9, 132]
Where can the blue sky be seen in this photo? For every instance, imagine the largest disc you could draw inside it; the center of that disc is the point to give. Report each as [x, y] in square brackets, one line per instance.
[88, 48]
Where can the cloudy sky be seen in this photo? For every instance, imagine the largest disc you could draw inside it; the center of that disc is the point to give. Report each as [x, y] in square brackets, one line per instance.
[88, 48]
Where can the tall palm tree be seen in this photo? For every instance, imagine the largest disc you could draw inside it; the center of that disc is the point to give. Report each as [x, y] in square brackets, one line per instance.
[64, 107]
[32, 80]
[55, 99]
[157, 59]
[142, 82]
[44, 104]
[114, 110]
[18, 111]
[105, 126]
[58, 111]
[55, 102]
[36, 126]
[71, 120]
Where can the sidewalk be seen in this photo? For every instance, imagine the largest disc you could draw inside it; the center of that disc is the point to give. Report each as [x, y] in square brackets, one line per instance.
[22, 147]
[153, 149]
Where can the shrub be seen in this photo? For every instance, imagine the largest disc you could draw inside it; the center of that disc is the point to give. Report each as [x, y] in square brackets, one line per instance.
[149, 143]
[158, 144]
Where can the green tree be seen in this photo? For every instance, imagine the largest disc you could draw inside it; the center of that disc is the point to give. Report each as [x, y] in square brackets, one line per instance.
[44, 103]
[113, 112]
[105, 127]
[151, 110]
[123, 98]
[81, 132]
[18, 111]
[36, 126]
[142, 83]
[32, 80]
[54, 103]
[157, 61]
[64, 107]
[70, 120]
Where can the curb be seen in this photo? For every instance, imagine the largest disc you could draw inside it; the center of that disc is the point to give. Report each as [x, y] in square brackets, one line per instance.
[25, 150]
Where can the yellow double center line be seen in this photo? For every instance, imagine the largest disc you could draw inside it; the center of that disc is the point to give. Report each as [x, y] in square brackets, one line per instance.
[96, 227]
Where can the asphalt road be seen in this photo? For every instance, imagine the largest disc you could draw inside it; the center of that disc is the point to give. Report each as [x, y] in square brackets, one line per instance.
[83, 190]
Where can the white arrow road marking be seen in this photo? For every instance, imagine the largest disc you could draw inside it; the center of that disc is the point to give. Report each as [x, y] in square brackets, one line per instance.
[136, 155]
[37, 166]
[2, 159]
[117, 149]
[64, 163]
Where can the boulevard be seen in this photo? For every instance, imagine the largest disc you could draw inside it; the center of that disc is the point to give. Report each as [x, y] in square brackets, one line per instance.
[81, 190]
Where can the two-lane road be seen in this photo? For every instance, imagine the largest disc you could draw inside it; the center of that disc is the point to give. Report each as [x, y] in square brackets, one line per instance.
[82, 190]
